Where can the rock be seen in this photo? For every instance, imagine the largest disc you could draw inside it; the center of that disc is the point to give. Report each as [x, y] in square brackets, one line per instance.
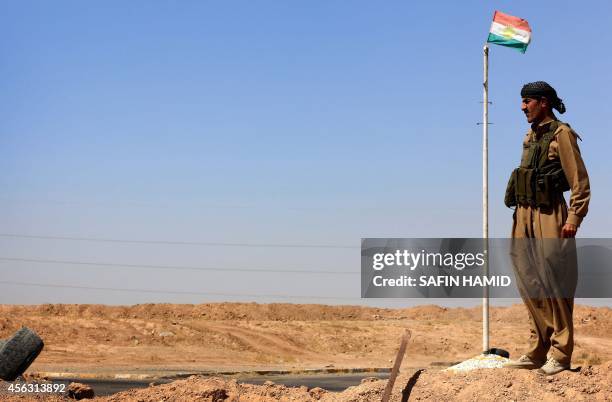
[165, 334]
[214, 395]
[317, 392]
[79, 391]
[587, 371]
[369, 379]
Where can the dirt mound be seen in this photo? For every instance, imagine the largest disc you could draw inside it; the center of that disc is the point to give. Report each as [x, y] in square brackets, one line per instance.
[592, 383]
[212, 311]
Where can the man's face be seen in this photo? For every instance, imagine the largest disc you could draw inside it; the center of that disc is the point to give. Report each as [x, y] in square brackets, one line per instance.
[534, 109]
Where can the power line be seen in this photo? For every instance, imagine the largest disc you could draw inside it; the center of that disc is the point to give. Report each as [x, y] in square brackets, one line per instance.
[139, 204]
[184, 243]
[50, 285]
[178, 267]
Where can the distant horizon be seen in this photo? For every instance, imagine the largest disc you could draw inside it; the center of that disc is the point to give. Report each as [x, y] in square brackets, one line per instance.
[464, 303]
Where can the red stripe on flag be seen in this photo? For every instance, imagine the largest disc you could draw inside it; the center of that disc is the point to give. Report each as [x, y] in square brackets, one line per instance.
[515, 22]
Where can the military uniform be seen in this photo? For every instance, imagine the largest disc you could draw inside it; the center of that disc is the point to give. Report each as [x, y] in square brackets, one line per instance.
[551, 317]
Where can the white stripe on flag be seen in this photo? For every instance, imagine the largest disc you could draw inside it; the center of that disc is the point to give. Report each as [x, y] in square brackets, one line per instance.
[505, 30]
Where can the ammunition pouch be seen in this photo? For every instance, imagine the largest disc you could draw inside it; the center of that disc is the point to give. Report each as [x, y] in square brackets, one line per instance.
[510, 197]
[525, 189]
[520, 189]
[536, 187]
[552, 177]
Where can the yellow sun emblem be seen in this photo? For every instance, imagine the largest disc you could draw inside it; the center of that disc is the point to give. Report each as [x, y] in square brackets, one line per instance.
[508, 32]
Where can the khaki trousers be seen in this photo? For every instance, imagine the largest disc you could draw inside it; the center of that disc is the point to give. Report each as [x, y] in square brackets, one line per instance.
[551, 318]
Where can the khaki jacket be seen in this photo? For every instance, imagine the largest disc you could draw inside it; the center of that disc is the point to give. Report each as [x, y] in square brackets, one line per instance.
[564, 147]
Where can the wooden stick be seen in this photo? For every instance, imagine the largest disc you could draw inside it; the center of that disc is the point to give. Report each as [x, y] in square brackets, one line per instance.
[396, 365]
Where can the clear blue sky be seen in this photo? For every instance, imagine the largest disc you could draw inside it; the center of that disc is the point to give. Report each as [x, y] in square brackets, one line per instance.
[309, 123]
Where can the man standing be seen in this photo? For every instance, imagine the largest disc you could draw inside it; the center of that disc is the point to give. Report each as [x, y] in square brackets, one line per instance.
[551, 164]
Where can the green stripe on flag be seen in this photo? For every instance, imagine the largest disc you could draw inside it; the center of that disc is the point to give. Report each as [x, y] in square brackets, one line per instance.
[500, 40]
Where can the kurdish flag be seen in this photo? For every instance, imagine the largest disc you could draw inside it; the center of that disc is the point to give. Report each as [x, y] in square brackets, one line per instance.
[510, 31]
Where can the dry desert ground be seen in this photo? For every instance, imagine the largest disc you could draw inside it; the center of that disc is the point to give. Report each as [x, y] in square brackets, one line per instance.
[165, 338]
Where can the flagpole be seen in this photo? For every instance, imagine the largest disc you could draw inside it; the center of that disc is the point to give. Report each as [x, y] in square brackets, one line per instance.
[485, 196]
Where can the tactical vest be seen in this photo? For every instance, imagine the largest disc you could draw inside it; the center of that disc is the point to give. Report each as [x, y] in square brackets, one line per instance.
[538, 181]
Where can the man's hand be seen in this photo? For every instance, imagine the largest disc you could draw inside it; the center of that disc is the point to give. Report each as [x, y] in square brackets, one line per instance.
[569, 230]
